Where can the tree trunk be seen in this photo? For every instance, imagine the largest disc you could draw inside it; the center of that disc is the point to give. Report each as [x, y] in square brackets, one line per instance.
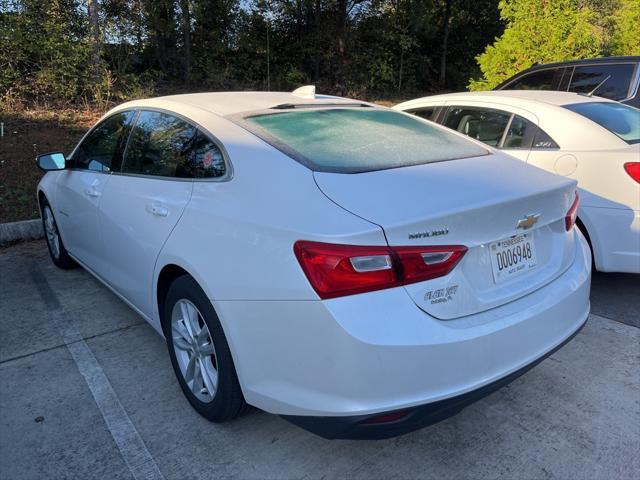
[186, 40]
[94, 21]
[445, 39]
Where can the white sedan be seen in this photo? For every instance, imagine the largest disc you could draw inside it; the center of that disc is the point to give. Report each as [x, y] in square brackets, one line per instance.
[355, 269]
[593, 140]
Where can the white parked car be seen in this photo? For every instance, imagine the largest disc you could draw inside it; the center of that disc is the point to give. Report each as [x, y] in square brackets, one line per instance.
[593, 140]
[355, 269]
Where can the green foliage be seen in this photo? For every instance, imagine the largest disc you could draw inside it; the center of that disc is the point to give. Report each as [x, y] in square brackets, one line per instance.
[626, 29]
[538, 31]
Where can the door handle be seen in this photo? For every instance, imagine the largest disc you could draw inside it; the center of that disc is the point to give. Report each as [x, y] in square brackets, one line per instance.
[91, 192]
[158, 210]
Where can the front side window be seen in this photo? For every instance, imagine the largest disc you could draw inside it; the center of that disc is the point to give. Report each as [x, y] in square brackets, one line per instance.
[484, 124]
[547, 79]
[588, 77]
[160, 145]
[98, 150]
[619, 119]
[355, 140]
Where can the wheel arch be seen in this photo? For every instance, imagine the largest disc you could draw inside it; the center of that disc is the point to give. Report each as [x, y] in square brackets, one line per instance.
[595, 254]
[167, 275]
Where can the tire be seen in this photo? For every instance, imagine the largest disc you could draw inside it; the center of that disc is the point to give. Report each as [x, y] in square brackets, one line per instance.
[209, 362]
[59, 255]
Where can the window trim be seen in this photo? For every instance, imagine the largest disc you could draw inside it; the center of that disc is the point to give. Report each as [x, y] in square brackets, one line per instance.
[228, 175]
[634, 84]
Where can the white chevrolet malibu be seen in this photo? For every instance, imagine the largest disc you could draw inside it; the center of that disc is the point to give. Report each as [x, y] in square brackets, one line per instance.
[357, 270]
[592, 140]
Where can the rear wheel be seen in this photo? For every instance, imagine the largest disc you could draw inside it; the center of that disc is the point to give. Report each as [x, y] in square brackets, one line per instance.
[58, 252]
[200, 353]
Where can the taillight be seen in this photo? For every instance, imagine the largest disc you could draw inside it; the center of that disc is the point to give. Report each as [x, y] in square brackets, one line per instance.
[335, 270]
[572, 214]
[633, 169]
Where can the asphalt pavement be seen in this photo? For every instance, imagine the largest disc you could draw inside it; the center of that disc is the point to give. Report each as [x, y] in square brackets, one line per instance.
[87, 391]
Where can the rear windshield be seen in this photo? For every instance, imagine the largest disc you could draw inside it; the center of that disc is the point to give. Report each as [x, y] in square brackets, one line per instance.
[359, 140]
[619, 119]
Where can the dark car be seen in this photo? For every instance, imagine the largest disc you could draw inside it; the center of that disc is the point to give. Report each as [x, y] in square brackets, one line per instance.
[583, 76]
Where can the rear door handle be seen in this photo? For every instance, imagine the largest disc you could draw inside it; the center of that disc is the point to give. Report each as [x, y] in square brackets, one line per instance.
[158, 210]
[91, 192]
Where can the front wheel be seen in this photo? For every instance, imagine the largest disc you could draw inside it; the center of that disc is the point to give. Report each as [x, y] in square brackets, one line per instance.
[58, 252]
[200, 353]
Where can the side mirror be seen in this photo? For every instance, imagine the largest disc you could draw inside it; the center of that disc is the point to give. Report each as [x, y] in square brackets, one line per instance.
[51, 161]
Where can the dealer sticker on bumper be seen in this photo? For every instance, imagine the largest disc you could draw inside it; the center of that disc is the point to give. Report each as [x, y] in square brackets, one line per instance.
[512, 257]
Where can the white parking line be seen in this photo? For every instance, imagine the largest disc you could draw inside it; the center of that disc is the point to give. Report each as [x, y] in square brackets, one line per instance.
[131, 446]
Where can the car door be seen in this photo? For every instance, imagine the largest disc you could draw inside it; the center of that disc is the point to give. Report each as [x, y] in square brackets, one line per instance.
[80, 188]
[144, 201]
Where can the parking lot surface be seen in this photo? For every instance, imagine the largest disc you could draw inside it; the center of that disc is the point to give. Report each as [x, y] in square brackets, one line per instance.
[87, 391]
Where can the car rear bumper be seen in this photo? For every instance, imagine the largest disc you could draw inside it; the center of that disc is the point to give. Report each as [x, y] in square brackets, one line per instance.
[359, 356]
[615, 235]
[365, 427]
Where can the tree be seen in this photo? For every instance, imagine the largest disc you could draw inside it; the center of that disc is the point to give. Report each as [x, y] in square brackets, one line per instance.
[626, 29]
[94, 20]
[538, 31]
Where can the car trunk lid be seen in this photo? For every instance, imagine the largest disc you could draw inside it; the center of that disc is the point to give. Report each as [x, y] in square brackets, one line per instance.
[476, 202]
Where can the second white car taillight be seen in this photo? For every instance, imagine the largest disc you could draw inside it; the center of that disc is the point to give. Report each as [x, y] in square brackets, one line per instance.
[336, 270]
[572, 214]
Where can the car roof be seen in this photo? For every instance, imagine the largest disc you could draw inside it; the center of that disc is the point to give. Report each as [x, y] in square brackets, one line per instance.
[232, 103]
[545, 106]
[515, 97]
[584, 61]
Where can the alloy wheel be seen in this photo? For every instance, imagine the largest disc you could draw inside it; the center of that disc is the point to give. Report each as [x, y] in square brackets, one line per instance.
[194, 350]
[51, 231]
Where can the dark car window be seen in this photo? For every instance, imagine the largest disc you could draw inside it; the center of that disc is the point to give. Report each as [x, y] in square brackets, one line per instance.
[161, 145]
[520, 134]
[100, 146]
[547, 79]
[428, 113]
[484, 124]
[356, 140]
[586, 78]
[205, 160]
[619, 119]
[542, 140]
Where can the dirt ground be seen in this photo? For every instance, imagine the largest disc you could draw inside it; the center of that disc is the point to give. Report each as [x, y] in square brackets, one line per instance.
[28, 133]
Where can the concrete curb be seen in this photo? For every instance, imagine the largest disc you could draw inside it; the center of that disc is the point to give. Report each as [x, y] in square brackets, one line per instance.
[16, 231]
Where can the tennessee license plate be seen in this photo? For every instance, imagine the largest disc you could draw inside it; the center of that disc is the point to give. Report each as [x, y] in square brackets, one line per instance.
[512, 256]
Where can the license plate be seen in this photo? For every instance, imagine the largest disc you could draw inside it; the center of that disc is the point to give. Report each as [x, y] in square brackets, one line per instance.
[512, 256]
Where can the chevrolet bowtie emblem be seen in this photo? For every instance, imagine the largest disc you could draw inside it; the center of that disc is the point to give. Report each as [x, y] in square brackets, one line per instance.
[528, 221]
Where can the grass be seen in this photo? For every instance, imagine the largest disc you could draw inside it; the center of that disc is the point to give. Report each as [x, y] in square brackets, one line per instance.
[28, 133]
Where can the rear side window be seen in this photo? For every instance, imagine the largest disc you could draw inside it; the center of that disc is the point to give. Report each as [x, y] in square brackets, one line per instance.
[542, 140]
[160, 145]
[355, 140]
[587, 77]
[519, 134]
[206, 159]
[484, 124]
[103, 143]
[619, 119]
[428, 113]
[548, 79]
